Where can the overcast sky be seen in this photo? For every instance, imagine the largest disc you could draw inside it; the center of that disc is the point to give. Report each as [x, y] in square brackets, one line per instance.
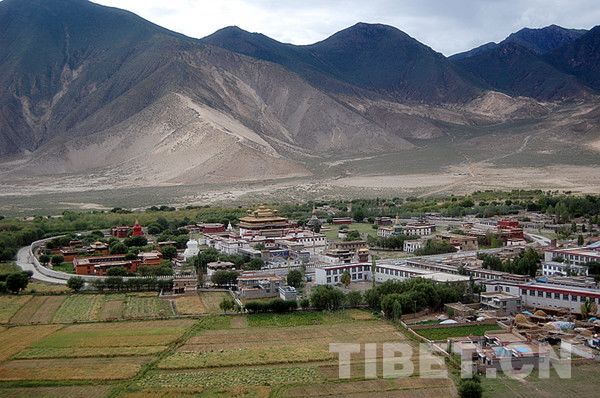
[448, 26]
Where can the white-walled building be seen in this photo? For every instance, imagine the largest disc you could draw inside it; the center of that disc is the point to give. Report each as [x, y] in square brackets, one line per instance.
[573, 255]
[547, 295]
[411, 246]
[331, 274]
[563, 269]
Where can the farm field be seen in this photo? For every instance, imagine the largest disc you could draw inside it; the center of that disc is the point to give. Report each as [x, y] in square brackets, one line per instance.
[9, 305]
[458, 331]
[584, 382]
[108, 339]
[199, 304]
[113, 368]
[15, 339]
[257, 356]
[34, 309]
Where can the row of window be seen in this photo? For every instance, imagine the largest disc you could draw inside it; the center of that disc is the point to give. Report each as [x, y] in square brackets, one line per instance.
[339, 271]
[557, 296]
[354, 277]
[394, 272]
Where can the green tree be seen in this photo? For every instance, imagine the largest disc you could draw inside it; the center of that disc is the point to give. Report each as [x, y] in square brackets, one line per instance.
[354, 299]
[580, 240]
[346, 279]
[44, 259]
[17, 282]
[253, 264]
[295, 278]
[224, 278]
[169, 252]
[118, 248]
[75, 283]
[588, 308]
[57, 259]
[227, 304]
[326, 297]
[470, 388]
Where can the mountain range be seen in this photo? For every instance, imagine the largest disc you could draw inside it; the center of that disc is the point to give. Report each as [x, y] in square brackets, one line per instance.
[104, 95]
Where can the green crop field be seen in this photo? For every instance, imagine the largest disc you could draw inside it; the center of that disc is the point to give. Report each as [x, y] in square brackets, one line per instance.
[79, 308]
[458, 331]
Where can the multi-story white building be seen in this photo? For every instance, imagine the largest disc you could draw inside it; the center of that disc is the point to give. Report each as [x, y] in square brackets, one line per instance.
[573, 256]
[547, 295]
[563, 269]
[411, 246]
[410, 229]
[331, 274]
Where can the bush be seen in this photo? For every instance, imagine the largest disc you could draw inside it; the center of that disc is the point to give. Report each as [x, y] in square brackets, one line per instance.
[57, 259]
[326, 298]
[354, 299]
[295, 278]
[75, 283]
[305, 303]
[17, 281]
[470, 389]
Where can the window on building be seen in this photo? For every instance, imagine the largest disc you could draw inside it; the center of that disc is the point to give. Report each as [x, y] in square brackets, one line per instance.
[573, 297]
[532, 292]
[557, 295]
[540, 293]
[548, 295]
[523, 291]
[328, 279]
[565, 296]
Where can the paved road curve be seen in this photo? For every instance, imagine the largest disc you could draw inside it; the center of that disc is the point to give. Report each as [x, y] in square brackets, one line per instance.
[24, 261]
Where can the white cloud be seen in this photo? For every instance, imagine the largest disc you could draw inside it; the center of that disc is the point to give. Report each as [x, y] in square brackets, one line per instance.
[448, 26]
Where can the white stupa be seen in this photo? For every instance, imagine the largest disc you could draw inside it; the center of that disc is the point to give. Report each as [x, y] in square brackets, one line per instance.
[191, 249]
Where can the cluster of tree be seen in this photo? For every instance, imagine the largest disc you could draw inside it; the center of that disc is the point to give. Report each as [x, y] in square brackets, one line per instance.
[490, 240]
[277, 306]
[470, 388]
[119, 284]
[211, 255]
[161, 208]
[329, 298]
[526, 263]
[434, 246]
[143, 270]
[395, 242]
[13, 236]
[352, 235]
[295, 278]
[14, 282]
[395, 298]
[224, 278]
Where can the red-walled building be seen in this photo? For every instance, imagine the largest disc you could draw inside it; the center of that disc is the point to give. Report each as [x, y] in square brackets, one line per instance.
[510, 229]
[212, 228]
[137, 229]
[120, 232]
